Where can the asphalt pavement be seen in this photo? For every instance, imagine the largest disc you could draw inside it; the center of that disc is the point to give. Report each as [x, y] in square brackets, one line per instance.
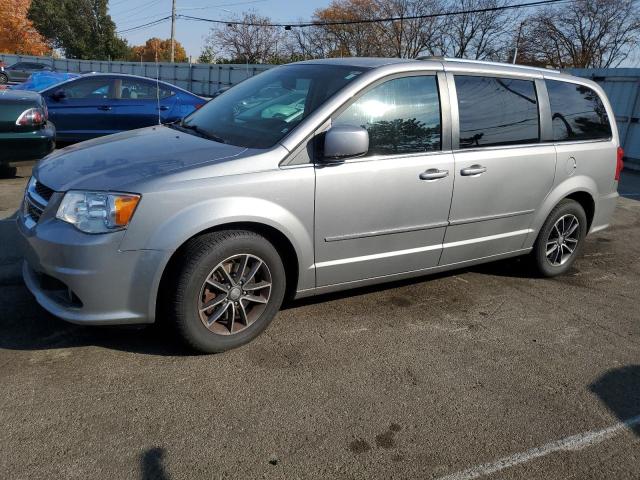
[481, 373]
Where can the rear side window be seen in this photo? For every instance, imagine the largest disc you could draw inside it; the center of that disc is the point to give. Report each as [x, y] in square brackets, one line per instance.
[577, 112]
[134, 89]
[401, 115]
[496, 111]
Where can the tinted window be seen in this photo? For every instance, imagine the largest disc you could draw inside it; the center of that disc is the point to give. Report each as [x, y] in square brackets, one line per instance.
[577, 112]
[401, 116]
[90, 88]
[131, 88]
[261, 110]
[496, 111]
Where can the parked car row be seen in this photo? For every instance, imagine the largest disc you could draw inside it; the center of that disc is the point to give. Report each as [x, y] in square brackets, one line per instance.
[62, 107]
[19, 72]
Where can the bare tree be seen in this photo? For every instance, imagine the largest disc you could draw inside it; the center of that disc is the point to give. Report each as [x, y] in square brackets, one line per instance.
[478, 35]
[583, 33]
[409, 37]
[251, 41]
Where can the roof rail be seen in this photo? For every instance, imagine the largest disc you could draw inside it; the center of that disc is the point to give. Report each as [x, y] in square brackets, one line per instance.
[485, 62]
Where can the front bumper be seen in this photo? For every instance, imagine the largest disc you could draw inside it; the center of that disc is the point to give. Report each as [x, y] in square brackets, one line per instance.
[17, 146]
[86, 279]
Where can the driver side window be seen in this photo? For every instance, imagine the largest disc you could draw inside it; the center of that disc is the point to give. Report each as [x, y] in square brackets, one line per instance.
[98, 88]
[401, 115]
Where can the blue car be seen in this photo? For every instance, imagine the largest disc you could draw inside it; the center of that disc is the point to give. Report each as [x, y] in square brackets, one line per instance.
[99, 104]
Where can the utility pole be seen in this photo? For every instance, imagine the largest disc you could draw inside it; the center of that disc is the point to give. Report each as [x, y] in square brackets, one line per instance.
[173, 30]
[515, 52]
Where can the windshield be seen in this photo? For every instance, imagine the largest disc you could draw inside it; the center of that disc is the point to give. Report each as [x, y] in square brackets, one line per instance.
[260, 111]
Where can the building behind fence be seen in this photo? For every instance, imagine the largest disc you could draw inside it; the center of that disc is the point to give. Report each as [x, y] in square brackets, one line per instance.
[621, 84]
[201, 79]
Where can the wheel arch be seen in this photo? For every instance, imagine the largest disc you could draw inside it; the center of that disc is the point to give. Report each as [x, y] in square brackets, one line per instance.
[581, 189]
[277, 238]
[587, 202]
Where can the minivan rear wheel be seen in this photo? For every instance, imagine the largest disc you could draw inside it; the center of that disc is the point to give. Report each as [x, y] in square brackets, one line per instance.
[229, 287]
[561, 239]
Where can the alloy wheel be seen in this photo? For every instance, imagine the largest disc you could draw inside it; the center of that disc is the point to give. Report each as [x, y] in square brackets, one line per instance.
[234, 294]
[563, 240]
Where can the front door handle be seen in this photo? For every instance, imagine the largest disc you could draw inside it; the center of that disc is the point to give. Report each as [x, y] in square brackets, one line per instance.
[163, 107]
[104, 108]
[433, 174]
[473, 170]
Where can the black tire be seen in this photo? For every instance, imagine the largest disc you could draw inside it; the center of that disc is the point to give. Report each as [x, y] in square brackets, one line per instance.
[199, 258]
[542, 263]
[4, 79]
[7, 171]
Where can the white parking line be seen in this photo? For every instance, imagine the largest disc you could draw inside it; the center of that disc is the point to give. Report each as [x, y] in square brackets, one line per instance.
[575, 442]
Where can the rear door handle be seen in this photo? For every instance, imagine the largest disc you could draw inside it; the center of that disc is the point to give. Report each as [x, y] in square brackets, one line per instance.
[163, 107]
[433, 174]
[105, 108]
[473, 170]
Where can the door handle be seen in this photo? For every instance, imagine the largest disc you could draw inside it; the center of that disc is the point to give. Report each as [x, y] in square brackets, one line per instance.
[473, 170]
[433, 174]
[163, 107]
[104, 108]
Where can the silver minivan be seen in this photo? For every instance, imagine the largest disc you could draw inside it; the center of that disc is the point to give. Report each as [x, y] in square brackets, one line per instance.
[315, 177]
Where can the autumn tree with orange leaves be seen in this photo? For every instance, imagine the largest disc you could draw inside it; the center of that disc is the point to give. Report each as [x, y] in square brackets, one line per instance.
[17, 33]
[154, 46]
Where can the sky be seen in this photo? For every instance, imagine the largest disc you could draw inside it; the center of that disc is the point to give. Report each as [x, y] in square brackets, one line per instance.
[131, 13]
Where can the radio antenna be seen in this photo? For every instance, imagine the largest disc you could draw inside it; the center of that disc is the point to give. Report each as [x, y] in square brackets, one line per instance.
[158, 89]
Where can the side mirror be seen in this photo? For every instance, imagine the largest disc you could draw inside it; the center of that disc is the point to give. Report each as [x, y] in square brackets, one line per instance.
[58, 95]
[345, 141]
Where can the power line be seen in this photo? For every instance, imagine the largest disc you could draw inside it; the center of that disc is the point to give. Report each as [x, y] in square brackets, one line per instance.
[149, 24]
[371, 20]
[348, 22]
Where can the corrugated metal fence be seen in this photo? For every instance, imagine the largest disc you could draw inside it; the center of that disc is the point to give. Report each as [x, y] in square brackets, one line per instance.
[201, 79]
[623, 89]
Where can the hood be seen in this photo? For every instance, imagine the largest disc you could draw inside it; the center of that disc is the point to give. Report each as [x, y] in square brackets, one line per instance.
[115, 161]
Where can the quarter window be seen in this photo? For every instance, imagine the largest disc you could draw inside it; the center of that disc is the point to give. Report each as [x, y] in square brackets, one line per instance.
[496, 111]
[577, 112]
[401, 115]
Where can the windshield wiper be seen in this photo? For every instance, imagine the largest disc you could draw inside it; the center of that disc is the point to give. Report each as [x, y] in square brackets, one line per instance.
[201, 132]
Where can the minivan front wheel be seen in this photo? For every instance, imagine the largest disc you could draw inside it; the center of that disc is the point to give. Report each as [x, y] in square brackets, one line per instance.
[561, 239]
[229, 287]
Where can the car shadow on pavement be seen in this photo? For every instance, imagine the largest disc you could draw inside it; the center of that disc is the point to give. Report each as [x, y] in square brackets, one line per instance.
[511, 267]
[619, 390]
[24, 325]
[151, 465]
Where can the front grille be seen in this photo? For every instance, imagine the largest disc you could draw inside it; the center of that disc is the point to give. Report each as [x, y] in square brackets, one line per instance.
[36, 200]
[33, 211]
[44, 191]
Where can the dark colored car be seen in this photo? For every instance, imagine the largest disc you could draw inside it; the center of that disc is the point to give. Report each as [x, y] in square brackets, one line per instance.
[19, 72]
[99, 104]
[25, 132]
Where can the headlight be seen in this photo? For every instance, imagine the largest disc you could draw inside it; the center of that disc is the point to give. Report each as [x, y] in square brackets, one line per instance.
[97, 212]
